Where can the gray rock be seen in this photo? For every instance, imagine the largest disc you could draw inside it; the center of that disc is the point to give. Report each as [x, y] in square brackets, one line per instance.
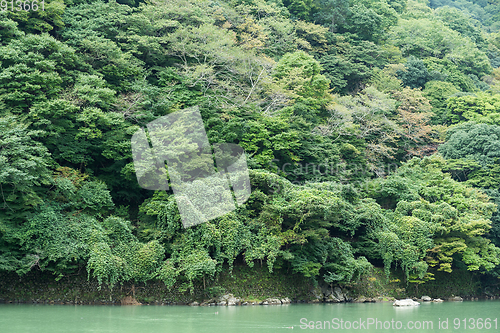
[405, 302]
[194, 304]
[226, 297]
[337, 292]
[455, 299]
[332, 299]
[426, 298]
[273, 301]
[326, 290]
[233, 301]
[360, 300]
[264, 303]
[286, 300]
[318, 294]
[437, 300]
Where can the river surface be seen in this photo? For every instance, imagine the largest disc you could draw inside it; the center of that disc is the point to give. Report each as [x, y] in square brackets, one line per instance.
[482, 316]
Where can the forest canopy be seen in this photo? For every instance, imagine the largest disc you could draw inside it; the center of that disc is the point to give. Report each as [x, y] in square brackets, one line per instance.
[371, 130]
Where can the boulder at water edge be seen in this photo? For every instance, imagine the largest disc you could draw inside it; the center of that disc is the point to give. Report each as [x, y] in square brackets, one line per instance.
[405, 302]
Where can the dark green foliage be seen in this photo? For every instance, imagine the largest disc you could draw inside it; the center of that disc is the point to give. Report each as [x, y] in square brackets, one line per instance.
[472, 149]
[415, 74]
[24, 166]
[34, 68]
[438, 93]
[350, 64]
[47, 18]
[478, 142]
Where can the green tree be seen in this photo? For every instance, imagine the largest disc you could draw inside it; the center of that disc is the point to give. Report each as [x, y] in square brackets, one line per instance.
[24, 163]
[35, 68]
[415, 74]
[299, 74]
[481, 108]
[454, 218]
[438, 93]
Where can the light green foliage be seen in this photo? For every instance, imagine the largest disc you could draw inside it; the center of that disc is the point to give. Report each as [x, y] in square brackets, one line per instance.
[90, 90]
[201, 251]
[461, 22]
[438, 93]
[386, 80]
[299, 75]
[370, 20]
[309, 232]
[471, 150]
[481, 108]
[444, 219]
[55, 241]
[484, 11]
[94, 196]
[192, 266]
[118, 256]
[9, 29]
[424, 38]
[447, 70]
[367, 116]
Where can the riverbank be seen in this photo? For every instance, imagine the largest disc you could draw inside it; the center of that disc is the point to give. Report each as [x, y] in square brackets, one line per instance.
[249, 284]
[244, 286]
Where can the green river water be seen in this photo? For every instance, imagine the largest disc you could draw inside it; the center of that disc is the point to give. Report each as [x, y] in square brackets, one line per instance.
[482, 316]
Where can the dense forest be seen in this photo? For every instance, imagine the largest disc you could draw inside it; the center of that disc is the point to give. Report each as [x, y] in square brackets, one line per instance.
[371, 129]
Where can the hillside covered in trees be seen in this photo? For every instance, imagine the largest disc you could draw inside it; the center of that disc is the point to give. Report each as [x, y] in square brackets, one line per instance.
[371, 127]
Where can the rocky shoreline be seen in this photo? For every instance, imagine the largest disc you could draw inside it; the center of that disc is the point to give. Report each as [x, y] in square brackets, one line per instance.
[231, 300]
[246, 286]
[337, 295]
